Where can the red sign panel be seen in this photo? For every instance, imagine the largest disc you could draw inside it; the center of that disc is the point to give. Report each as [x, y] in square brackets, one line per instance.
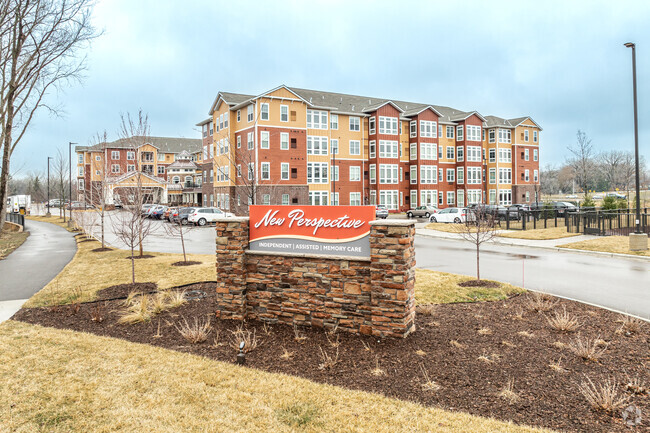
[342, 230]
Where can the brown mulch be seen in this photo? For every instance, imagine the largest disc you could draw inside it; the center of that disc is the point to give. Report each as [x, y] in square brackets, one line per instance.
[515, 343]
[123, 290]
[144, 256]
[479, 283]
[101, 250]
[86, 240]
[187, 263]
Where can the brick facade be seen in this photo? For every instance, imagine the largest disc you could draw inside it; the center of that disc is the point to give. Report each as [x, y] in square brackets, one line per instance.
[373, 296]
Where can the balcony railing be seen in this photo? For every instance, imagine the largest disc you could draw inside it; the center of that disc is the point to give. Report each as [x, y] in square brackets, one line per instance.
[191, 185]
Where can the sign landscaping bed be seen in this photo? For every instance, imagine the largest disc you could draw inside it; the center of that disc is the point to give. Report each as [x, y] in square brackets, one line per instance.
[502, 359]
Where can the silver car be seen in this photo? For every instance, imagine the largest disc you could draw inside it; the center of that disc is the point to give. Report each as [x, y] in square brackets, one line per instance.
[421, 211]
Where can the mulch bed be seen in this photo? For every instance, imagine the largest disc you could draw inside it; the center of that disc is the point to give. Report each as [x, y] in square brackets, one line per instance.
[123, 290]
[86, 240]
[144, 256]
[188, 263]
[479, 283]
[497, 342]
[101, 250]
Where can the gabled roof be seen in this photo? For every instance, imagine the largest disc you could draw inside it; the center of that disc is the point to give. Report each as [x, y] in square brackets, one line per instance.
[375, 107]
[417, 111]
[231, 99]
[125, 176]
[163, 144]
[519, 120]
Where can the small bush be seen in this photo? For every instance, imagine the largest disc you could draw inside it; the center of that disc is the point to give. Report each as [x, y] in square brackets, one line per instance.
[541, 302]
[630, 325]
[508, 392]
[328, 362]
[249, 338]
[175, 299]
[588, 202]
[604, 396]
[586, 349]
[195, 333]
[563, 322]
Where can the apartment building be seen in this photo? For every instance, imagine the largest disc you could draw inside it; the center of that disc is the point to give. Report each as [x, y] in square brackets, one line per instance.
[207, 187]
[170, 170]
[299, 146]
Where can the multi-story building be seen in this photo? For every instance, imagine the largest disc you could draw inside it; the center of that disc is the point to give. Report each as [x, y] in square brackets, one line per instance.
[299, 146]
[207, 134]
[170, 169]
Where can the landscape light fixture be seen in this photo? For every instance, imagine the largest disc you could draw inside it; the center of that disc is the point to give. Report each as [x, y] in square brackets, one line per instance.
[636, 139]
[241, 356]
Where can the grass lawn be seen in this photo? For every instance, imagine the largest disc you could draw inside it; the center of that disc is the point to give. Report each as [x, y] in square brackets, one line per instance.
[608, 244]
[65, 381]
[90, 271]
[54, 219]
[9, 241]
[443, 227]
[432, 287]
[539, 234]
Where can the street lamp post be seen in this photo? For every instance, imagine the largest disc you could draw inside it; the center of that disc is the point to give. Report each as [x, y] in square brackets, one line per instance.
[48, 187]
[640, 240]
[70, 143]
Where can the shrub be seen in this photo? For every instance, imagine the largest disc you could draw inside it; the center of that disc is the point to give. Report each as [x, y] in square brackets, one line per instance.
[541, 302]
[328, 361]
[563, 322]
[195, 333]
[631, 325]
[610, 203]
[249, 338]
[586, 349]
[588, 202]
[603, 396]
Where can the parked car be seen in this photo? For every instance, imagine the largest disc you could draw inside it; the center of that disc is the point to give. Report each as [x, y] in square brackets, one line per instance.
[79, 205]
[596, 197]
[451, 215]
[616, 195]
[145, 209]
[55, 202]
[563, 207]
[574, 196]
[381, 212]
[168, 213]
[157, 211]
[181, 215]
[421, 211]
[204, 215]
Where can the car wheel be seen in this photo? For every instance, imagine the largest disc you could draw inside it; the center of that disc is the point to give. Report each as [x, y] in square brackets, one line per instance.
[433, 219]
[202, 222]
[409, 215]
[457, 220]
[184, 222]
[426, 215]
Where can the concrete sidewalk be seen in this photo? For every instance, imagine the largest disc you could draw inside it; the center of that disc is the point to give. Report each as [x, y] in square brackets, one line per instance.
[34, 264]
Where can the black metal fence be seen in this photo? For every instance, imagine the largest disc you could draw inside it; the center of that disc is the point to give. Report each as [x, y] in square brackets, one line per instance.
[533, 219]
[15, 218]
[619, 222]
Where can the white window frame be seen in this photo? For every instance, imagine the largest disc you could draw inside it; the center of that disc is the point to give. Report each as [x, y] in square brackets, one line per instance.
[250, 113]
[355, 198]
[413, 154]
[355, 123]
[473, 133]
[388, 125]
[450, 132]
[372, 125]
[284, 141]
[334, 146]
[413, 128]
[284, 171]
[451, 198]
[372, 170]
[115, 155]
[413, 175]
[429, 151]
[265, 139]
[355, 173]
[284, 113]
[451, 150]
[317, 119]
[460, 175]
[460, 133]
[388, 149]
[317, 172]
[428, 129]
[388, 174]
[334, 122]
[355, 147]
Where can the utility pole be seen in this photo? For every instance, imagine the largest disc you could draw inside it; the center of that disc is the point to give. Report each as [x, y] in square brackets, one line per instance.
[70, 175]
[48, 187]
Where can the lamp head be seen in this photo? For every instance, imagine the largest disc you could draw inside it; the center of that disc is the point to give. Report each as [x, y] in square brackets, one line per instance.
[629, 44]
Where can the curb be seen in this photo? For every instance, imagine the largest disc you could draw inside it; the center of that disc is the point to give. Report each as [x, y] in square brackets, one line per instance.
[565, 250]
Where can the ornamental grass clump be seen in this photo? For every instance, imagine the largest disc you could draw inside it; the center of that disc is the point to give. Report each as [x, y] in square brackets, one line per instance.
[196, 332]
[563, 322]
[604, 396]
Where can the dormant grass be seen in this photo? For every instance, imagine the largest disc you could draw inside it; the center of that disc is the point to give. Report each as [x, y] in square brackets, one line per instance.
[604, 396]
[563, 322]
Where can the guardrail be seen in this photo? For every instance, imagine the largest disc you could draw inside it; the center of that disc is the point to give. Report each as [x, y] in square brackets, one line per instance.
[16, 218]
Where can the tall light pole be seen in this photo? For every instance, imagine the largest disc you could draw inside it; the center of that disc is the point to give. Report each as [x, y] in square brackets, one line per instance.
[70, 143]
[636, 150]
[48, 187]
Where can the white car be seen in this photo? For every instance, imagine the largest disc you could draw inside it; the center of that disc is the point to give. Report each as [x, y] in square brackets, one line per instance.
[204, 215]
[450, 215]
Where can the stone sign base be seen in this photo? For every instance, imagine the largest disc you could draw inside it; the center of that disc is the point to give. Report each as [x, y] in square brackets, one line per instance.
[374, 296]
[638, 242]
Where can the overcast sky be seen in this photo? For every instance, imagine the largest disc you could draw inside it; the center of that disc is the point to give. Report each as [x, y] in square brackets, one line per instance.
[562, 63]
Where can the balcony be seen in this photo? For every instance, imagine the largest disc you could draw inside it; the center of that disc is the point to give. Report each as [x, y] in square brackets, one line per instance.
[191, 185]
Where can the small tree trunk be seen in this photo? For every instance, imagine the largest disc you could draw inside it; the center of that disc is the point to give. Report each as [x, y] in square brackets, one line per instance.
[478, 271]
[102, 223]
[183, 243]
[141, 251]
[132, 267]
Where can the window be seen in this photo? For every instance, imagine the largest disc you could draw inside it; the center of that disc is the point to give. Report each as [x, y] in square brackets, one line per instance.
[535, 175]
[97, 172]
[115, 168]
[355, 147]
[428, 174]
[474, 154]
[474, 175]
[459, 133]
[316, 172]
[428, 197]
[81, 158]
[238, 115]
[373, 173]
[388, 149]
[115, 154]
[130, 168]
[266, 199]
[284, 171]
[505, 197]
[264, 142]
[450, 197]
[493, 175]
[372, 149]
[249, 113]
[483, 133]
[414, 128]
[428, 128]
[460, 153]
[176, 179]
[450, 132]
[334, 144]
[264, 111]
[414, 175]
[334, 121]
[527, 175]
[388, 199]
[473, 196]
[460, 175]
[372, 126]
[451, 175]
[284, 113]
[505, 155]
[335, 173]
[414, 199]
[534, 136]
[238, 170]
[505, 175]
[388, 173]
[535, 155]
[504, 135]
[450, 152]
[220, 125]
[414, 151]
[161, 169]
[355, 124]
[491, 136]
[473, 133]
[526, 154]
[526, 135]
[226, 115]
[373, 197]
[284, 141]
[250, 141]
[318, 198]
[238, 141]
[335, 199]
[285, 199]
[355, 174]
[316, 145]
[440, 151]
[355, 199]
[98, 158]
[440, 131]
[440, 175]
[388, 125]
[441, 198]
[80, 171]
[460, 197]
[428, 150]
[493, 155]
[316, 119]
[205, 131]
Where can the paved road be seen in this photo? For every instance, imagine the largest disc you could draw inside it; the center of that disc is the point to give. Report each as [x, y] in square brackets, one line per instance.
[616, 283]
[34, 264]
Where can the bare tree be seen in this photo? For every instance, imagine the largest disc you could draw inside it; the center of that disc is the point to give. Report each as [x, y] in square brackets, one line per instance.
[178, 230]
[61, 179]
[99, 188]
[479, 227]
[611, 166]
[131, 228]
[548, 180]
[628, 173]
[40, 43]
[582, 161]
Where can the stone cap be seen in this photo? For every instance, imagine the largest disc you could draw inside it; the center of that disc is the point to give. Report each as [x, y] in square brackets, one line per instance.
[231, 220]
[398, 223]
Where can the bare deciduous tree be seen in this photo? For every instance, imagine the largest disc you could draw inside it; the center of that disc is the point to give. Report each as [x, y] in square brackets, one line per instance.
[61, 179]
[131, 228]
[178, 230]
[582, 161]
[40, 43]
[99, 188]
[479, 227]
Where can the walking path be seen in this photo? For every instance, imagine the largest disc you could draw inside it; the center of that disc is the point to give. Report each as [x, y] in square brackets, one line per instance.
[34, 264]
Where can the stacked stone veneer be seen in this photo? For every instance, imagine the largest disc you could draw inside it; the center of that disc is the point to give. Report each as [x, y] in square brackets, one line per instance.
[373, 296]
